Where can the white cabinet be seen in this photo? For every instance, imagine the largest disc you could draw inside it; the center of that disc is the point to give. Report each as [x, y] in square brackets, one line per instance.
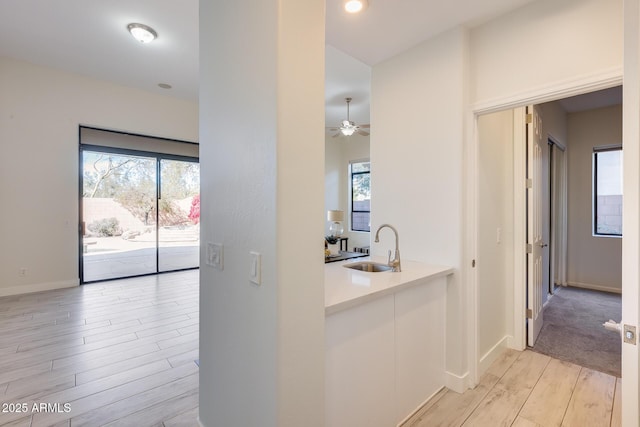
[385, 357]
[360, 365]
[419, 345]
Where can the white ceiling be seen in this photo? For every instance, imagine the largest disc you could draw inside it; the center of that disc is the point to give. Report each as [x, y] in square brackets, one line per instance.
[90, 38]
[388, 27]
[592, 100]
[346, 77]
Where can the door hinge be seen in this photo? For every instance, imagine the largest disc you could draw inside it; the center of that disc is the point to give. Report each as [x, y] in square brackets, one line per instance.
[529, 248]
[529, 183]
[529, 313]
[529, 118]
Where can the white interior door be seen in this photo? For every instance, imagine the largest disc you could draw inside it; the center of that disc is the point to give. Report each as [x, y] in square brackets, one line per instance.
[535, 243]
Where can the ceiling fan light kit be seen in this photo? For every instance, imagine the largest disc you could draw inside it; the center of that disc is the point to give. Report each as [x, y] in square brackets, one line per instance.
[347, 127]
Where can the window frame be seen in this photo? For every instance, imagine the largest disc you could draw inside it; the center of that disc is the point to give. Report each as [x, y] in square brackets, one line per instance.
[351, 201]
[594, 189]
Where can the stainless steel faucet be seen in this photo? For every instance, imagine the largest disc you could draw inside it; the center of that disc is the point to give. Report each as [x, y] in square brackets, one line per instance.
[395, 262]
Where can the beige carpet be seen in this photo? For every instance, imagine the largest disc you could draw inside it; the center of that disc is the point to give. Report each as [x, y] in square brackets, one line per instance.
[573, 330]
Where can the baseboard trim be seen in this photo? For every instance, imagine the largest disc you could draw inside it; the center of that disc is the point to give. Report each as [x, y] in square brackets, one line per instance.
[492, 355]
[511, 343]
[428, 403]
[38, 287]
[457, 383]
[594, 287]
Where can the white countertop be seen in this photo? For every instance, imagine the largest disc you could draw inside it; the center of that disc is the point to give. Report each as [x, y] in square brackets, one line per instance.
[345, 287]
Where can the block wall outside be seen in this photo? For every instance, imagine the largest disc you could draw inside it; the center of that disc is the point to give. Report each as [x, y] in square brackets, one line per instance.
[609, 210]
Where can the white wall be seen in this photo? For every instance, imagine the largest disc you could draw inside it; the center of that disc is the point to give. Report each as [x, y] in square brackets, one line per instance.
[40, 111]
[262, 169]
[495, 239]
[548, 42]
[554, 125]
[548, 45]
[417, 167]
[334, 185]
[338, 153]
[593, 262]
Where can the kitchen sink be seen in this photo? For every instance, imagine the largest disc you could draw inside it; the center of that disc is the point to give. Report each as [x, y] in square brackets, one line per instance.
[368, 266]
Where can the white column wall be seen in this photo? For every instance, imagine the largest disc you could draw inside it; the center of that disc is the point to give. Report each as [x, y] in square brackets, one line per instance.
[416, 176]
[631, 211]
[262, 169]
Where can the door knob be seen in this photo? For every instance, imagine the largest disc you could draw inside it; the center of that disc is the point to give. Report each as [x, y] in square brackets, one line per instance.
[543, 245]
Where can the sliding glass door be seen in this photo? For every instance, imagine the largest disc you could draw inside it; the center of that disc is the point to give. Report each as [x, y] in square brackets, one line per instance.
[140, 214]
[179, 219]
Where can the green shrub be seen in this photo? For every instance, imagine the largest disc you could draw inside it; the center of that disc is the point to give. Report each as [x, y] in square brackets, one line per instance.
[105, 227]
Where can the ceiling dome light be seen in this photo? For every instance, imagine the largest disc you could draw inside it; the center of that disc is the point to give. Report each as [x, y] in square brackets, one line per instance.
[355, 6]
[142, 33]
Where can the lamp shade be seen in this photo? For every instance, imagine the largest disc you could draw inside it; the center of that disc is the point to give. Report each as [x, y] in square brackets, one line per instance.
[335, 215]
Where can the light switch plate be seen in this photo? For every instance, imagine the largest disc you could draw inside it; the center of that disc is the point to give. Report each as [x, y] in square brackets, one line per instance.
[255, 267]
[215, 255]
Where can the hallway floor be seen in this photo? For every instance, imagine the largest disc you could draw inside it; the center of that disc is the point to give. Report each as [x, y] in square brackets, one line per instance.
[122, 353]
[528, 389]
[119, 353]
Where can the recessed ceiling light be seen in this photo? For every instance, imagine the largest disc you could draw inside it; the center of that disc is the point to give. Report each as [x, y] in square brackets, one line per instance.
[355, 6]
[142, 33]
[164, 85]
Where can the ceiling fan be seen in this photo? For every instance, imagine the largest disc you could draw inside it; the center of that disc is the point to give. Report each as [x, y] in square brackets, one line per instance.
[347, 127]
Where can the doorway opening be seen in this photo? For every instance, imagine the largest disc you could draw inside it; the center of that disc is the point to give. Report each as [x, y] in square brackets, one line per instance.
[139, 210]
[570, 258]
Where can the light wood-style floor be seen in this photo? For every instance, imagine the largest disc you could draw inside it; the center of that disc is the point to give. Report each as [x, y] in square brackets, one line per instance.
[527, 389]
[122, 353]
[119, 353]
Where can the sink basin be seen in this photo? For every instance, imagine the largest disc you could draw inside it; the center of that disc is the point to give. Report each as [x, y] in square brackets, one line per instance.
[368, 266]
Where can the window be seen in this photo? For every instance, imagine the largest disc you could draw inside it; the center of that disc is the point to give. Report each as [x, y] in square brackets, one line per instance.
[360, 195]
[607, 191]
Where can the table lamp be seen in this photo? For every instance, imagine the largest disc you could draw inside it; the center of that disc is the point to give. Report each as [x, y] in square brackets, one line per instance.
[335, 217]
